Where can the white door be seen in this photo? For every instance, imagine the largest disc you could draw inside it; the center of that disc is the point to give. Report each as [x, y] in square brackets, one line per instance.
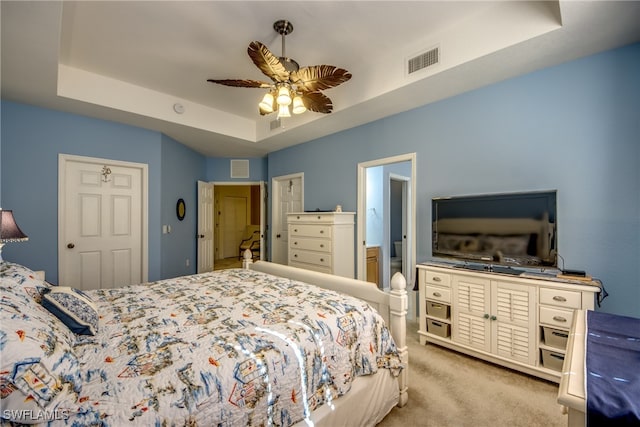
[102, 221]
[205, 227]
[233, 224]
[288, 196]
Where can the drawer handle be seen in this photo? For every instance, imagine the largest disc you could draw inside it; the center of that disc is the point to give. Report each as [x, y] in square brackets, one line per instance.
[559, 298]
[321, 259]
[322, 245]
[295, 230]
[436, 279]
[295, 255]
[557, 356]
[321, 231]
[559, 319]
[319, 217]
[560, 334]
[295, 243]
[298, 217]
[437, 294]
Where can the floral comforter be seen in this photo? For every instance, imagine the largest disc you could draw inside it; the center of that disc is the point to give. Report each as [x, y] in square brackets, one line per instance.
[230, 348]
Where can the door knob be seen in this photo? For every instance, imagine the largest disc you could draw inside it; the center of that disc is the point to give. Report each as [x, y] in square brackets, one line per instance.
[71, 245]
[277, 236]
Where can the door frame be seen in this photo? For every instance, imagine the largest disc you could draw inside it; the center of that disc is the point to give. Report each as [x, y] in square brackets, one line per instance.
[361, 253]
[408, 236]
[263, 209]
[63, 159]
[276, 181]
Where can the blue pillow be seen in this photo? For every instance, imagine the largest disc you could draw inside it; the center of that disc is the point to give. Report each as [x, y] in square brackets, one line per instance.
[73, 307]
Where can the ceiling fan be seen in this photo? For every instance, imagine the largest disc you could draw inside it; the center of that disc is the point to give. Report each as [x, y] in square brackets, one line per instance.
[293, 89]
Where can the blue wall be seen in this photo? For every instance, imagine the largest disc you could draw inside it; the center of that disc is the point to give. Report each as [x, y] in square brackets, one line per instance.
[574, 127]
[181, 169]
[31, 140]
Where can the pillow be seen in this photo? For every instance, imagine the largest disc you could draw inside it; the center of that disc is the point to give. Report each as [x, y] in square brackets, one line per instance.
[73, 307]
[20, 276]
[38, 368]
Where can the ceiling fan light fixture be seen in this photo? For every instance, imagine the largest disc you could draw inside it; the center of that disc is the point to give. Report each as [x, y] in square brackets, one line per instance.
[266, 104]
[290, 84]
[283, 111]
[298, 105]
[284, 97]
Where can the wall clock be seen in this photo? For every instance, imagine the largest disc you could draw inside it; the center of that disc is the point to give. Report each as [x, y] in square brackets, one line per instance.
[180, 209]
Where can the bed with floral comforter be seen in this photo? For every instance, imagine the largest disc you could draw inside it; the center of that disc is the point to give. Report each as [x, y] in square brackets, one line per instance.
[229, 348]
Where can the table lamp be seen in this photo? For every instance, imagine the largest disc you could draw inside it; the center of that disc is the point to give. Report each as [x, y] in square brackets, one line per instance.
[9, 230]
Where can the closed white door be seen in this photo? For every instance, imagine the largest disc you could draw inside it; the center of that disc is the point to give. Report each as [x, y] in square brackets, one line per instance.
[205, 227]
[288, 196]
[233, 223]
[102, 207]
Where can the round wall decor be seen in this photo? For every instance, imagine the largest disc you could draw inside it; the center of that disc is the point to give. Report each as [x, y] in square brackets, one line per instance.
[180, 209]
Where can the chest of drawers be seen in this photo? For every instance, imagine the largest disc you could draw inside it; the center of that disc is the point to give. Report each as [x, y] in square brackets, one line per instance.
[322, 241]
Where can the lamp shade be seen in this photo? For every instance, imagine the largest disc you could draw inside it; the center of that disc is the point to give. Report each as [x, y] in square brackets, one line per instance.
[284, 98]
[298, 105]
[266, 104]
[9, 230]
[283, 111]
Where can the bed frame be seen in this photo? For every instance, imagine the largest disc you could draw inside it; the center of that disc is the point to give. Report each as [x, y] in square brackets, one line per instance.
[391, 305]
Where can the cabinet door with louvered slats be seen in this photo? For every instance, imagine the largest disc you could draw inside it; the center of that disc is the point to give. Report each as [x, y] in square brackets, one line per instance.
[471, 326]
[515, 323]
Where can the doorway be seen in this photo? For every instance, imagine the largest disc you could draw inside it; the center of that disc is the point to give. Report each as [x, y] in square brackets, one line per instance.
[226, 213]
[237, 215]
[387, 214]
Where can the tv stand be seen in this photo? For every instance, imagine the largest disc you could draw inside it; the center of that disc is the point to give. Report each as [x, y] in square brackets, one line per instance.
[502, 316]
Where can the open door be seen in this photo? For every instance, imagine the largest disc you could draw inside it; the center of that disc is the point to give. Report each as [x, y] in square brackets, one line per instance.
[205, 226]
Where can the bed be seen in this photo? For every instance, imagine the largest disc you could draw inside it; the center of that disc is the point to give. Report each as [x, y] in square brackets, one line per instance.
[607, 347]
[251, 346]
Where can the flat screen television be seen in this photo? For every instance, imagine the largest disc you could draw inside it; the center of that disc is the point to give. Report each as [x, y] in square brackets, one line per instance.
[512, 229]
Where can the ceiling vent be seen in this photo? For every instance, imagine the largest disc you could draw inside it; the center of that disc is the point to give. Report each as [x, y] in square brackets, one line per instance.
[423, 60]
[239, 168]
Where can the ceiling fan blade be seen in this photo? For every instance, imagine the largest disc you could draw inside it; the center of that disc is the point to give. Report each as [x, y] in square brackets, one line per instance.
[319, 77]
[316, 101]
[241, 83]
[267, 62]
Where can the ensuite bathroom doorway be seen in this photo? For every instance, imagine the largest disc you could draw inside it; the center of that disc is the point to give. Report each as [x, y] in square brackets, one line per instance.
[386, 221]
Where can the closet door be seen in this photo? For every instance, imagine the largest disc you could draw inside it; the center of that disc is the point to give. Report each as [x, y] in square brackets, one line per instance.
[102, 211]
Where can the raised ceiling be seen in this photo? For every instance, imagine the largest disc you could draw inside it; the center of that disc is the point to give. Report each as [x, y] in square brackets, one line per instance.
[132, 62]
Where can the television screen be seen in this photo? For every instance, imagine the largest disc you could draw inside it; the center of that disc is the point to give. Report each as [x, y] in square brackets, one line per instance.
[518, 229]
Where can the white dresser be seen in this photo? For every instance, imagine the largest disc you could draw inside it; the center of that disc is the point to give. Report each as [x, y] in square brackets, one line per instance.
[322, 241]
[518, 322]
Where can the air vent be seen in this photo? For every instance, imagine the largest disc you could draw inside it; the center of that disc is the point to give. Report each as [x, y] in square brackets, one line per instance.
[275, 124]
[239, 168]
[424, 60]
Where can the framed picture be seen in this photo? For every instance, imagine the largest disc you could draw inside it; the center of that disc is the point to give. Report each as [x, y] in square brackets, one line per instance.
[180, 209]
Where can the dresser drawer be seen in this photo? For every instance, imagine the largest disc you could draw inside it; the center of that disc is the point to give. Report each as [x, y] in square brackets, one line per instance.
[556, 316]
[438, 294]
[307, 257]
[312, 267]
[310, 230]
[293, 218]
[321, 245]
[440, 279]
[561, 298]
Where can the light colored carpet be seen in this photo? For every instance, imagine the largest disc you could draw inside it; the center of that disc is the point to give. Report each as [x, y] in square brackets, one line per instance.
[447, 388]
